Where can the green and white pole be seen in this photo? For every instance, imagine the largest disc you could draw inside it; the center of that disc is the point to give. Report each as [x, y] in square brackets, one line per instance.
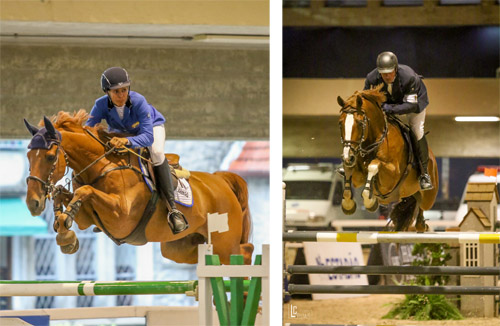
[92, 288]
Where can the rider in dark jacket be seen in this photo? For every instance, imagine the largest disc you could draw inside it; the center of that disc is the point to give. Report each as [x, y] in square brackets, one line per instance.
[126, 111]
[406, 94]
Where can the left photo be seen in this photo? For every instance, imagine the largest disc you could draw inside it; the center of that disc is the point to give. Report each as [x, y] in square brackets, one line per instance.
[134, 152]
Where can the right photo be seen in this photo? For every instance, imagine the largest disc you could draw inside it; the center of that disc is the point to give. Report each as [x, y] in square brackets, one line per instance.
[391, 160]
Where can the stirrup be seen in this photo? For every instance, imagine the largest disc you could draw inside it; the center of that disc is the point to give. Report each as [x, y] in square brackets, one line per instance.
[425, 182]
[177, 221]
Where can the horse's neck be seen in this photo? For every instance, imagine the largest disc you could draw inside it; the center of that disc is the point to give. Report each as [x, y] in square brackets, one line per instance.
[376, 126]
[80, 149]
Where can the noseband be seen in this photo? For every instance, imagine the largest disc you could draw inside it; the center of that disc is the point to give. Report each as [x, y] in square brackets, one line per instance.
[358, 148]
[49, 186]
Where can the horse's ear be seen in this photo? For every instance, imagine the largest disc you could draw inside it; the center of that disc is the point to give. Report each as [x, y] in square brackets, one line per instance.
[32, 129]
[359, 102]
[340, 101]
[50, 127]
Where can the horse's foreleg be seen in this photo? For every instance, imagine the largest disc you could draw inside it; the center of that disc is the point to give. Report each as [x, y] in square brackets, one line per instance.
[63, 197]
[66, 238]
[370, 202]
[348, 204]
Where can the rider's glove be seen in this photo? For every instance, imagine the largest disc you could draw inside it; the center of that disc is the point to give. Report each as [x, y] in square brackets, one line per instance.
[388, 108]
[118, 142]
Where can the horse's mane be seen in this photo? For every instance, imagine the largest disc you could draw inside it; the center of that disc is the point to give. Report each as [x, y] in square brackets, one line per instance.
[67, 121]
[73, 122]
[373, 94]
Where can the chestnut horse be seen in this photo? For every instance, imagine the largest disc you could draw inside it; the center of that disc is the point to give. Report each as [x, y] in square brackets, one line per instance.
[376, 155]
[111, 194]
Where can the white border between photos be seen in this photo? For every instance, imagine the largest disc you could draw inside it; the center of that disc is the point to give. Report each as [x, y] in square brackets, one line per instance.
[276, 157]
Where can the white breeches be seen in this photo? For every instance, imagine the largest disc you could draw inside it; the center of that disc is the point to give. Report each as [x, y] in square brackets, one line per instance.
[158, 147]
[416, 122]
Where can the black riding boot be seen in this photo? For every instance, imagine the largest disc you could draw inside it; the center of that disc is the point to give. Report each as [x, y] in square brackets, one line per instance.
[423, 153]
[176, 219]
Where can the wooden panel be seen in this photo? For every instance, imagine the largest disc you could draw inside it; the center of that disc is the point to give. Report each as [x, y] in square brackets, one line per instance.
[479, 96]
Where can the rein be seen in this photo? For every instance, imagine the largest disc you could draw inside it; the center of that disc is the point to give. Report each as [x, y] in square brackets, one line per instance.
[106, 146]
[51, 191]
[371, 147]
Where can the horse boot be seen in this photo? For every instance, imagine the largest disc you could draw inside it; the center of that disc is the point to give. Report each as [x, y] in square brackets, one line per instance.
[423, 157]
[176, 219]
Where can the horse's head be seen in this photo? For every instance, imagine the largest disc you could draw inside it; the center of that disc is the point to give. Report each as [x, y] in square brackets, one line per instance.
[360, 115]
[353, 123]
[47, 164]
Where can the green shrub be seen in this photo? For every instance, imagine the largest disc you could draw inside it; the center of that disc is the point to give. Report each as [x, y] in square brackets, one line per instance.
[427, 306]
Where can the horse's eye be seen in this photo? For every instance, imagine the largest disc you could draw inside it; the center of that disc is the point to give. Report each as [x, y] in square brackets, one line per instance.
[51, 158]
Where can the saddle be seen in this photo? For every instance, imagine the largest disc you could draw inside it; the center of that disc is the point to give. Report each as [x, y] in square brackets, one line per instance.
[176, 170]
[409, 138]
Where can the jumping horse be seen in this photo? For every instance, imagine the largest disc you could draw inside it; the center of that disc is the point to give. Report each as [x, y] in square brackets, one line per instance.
[109, 192]
[377, 154]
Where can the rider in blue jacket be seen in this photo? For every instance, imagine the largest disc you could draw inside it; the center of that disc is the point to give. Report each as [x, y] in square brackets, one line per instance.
[406, 94]
[128, 112]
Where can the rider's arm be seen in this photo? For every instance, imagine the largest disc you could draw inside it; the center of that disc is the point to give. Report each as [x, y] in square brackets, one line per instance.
[144, 136]
[414, 101]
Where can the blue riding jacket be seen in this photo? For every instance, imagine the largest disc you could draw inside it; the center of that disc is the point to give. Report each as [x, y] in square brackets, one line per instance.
[409, 94]
[139, 118]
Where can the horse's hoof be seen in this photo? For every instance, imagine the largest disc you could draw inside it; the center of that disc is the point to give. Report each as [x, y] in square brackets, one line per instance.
[373, 208]
[349, 211]
[421, 228]
[71, 248]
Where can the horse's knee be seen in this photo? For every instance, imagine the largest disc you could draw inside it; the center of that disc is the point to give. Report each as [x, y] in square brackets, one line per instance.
[373, 168]
[83, 192]
[246, 249]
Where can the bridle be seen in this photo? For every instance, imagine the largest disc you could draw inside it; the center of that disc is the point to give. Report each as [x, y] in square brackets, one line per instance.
[356, 146]
[49, 186]
[51, 191]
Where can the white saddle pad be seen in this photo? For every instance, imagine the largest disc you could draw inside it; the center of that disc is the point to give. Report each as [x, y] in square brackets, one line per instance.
[183, 194]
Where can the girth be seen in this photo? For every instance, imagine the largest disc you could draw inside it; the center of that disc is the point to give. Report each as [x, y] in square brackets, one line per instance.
[138, 235]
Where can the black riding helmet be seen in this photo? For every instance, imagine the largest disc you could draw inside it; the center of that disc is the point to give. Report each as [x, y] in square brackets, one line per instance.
[113, 78]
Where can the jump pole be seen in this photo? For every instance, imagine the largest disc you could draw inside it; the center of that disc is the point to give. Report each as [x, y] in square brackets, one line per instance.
[92, 288]
[393, 289]
[394, 237]
[394, 270]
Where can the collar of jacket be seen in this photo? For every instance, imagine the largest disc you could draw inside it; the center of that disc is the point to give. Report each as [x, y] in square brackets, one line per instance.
[111, 105]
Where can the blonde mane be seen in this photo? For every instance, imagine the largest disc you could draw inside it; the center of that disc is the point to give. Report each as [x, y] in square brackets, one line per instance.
[74, 122]
[373, 94]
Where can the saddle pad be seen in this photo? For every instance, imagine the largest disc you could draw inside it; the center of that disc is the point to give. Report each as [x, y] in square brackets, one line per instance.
[183, 194]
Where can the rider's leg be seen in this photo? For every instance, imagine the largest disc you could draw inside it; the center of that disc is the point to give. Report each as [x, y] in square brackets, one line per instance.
[176, 219]
[417, 121]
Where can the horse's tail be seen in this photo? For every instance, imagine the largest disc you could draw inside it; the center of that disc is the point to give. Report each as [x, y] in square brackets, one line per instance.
[239, 187]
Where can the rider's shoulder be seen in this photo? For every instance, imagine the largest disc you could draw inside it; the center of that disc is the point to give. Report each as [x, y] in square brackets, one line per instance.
[406, 71]
[102, 101]
[372, 75]
[408, 75]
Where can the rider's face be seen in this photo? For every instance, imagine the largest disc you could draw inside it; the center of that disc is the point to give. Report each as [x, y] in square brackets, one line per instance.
[389, 77]
[119, 96]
